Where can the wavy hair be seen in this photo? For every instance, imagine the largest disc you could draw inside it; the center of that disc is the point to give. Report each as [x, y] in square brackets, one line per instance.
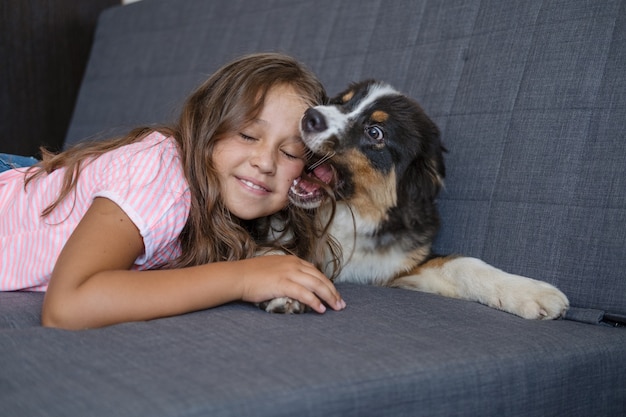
[228, 100]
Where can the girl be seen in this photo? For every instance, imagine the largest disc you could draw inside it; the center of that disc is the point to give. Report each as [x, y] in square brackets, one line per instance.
[168, 220]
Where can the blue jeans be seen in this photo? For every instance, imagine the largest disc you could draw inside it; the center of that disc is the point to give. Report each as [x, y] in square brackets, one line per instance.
[8, 162]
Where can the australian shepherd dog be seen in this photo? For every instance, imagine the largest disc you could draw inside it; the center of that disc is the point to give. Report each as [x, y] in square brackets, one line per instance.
[383, 157]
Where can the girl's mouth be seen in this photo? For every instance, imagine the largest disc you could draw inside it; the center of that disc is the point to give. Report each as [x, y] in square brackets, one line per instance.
[253, 185]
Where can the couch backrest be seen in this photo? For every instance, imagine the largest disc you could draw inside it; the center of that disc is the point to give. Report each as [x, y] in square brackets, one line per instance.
[530, 97]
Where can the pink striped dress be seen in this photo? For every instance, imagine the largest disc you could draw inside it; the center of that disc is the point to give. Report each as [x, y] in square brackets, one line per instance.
[144, 179]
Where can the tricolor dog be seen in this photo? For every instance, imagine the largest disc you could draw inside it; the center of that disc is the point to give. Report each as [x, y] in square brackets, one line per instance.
[384, 159]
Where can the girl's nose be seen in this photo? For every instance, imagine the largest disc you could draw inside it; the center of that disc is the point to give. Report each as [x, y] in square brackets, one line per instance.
[264, 159]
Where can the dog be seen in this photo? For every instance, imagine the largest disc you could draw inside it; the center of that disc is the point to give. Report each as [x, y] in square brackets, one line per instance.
[385, 160]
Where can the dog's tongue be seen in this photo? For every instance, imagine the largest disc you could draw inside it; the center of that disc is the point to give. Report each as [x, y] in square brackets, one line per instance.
[322, 172]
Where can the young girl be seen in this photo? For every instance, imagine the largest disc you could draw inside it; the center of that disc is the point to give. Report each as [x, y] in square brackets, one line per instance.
[168, 220]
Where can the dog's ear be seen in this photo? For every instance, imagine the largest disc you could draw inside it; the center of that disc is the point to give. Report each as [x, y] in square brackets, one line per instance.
[347, 94]
[425, 175]
[434, 161]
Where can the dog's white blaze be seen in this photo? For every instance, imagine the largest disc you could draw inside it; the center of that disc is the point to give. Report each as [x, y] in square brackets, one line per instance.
[337, 121]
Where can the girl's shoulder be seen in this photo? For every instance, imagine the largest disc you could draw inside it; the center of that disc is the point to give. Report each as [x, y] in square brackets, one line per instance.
[151, 166]
[155, 143]
[155, 152]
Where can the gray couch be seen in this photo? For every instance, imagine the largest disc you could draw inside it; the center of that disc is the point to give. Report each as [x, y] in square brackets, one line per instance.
[531, 100]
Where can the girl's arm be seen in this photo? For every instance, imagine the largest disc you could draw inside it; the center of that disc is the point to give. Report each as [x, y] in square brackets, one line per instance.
[92, 286]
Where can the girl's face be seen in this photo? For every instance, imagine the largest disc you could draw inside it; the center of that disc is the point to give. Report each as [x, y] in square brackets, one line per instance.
[257, 165]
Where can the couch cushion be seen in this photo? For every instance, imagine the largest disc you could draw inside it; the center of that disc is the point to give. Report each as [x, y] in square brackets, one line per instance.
[530, 97]
[391, 352]
[20, 309]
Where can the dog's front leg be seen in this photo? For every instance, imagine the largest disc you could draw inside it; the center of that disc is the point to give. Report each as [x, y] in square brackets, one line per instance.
[472, 279]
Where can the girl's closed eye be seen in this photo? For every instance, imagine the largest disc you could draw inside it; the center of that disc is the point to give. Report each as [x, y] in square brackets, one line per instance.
[246, 137]
[291, 154]
[294, 149]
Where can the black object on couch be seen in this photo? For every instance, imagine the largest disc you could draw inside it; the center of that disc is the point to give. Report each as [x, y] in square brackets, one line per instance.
[531, 100]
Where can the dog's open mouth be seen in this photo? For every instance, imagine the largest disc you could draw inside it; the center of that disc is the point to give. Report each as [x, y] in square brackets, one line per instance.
[307, 190]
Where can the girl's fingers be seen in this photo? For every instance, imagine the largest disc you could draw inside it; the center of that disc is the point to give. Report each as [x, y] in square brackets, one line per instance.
[312, 301]
[323, 288]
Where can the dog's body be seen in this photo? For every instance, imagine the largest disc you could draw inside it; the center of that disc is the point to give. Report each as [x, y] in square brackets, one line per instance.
[387, 169]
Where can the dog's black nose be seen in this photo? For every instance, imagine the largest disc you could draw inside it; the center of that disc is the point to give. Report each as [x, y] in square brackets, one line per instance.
[313, 121]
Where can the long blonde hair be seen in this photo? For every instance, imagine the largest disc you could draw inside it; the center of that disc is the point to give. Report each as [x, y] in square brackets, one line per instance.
[232, 97]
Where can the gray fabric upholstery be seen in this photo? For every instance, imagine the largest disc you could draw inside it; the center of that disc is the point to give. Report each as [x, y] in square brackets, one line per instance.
[531, 100]
[20, 309]
[391, 352]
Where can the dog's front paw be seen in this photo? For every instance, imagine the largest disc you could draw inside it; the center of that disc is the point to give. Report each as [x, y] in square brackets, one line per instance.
[534, 299]
[284, 305]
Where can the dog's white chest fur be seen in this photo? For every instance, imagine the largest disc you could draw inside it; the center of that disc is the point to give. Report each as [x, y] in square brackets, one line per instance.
[363, 261]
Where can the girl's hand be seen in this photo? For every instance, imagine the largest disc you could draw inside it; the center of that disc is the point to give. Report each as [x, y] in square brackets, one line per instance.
[273, 276]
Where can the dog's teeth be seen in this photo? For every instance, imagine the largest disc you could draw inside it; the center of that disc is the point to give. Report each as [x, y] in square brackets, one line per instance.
[297, 189]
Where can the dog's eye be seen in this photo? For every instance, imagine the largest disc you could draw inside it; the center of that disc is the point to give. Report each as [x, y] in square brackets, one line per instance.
[375, 132]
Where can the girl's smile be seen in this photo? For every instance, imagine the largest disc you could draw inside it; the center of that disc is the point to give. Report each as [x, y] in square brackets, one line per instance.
[254, 186]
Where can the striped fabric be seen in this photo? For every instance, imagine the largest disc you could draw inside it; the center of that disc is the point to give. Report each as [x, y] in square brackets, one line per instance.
[144, 179]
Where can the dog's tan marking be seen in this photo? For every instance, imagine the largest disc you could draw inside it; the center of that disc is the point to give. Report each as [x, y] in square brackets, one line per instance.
[374, 192]
[414, 263]
[411, 279]
[410, 264]
[346, 97]
[437, 262]
[380, 116]
[417, 256]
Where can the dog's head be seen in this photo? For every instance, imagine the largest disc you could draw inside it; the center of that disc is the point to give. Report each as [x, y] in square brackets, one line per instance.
[375, 146]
